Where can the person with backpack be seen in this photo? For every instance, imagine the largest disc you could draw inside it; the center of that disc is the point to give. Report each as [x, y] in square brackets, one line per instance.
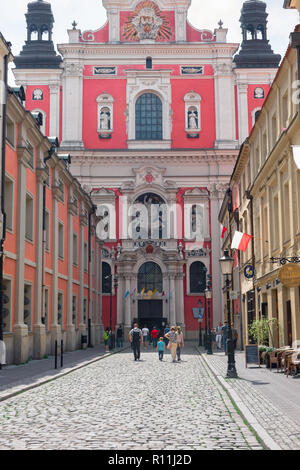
[120, 337]
[136, 339]
[106, 339]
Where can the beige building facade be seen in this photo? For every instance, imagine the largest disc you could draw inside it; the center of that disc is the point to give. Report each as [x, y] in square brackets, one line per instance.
[267, 182]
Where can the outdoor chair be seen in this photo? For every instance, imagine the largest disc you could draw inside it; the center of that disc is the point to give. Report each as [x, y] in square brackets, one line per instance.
[293, 363]
[284, 356]
[275, 358]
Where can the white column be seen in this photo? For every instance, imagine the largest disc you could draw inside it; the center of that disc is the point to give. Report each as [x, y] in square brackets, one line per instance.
[113, 16]
[127, 302]
[72, 105]
[55, 327]
[224, 103]
[180, 24]
[71, 338]
[180, 297]
[54, 109]
[243, 117]
[39, 330]
[172, 300]
[20, 328]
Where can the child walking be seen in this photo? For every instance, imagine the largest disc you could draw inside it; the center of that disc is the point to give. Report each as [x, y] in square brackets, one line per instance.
[161, 348]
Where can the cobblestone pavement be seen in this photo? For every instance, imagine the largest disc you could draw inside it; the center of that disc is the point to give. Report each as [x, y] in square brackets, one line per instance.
[268, 396]
[120, 404]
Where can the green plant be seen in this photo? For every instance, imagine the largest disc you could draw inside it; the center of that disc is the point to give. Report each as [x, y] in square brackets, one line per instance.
[263, 330]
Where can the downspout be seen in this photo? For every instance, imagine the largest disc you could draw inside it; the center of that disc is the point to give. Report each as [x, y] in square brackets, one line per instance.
[93, 210]
[3, 213]
[250, 197]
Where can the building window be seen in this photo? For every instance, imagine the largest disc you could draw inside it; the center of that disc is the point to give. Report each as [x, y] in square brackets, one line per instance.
[197, 277]
[28, 306]
[148, 117]
[149, 63]
[10, 131]
[60, 308]
[46, 319]
[29, 225]
[61, 240]
[150, 277]
[75, 249]
[106, 278]
[86, 264]
[30, 149]
[7, 305]
[9, 203]
[47, 230]
[74, 309]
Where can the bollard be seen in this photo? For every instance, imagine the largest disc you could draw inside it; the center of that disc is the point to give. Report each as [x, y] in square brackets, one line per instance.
[55, 354]
[61, 353]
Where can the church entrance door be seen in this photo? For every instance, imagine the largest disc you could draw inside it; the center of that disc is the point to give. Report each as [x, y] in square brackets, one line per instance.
[150, 313]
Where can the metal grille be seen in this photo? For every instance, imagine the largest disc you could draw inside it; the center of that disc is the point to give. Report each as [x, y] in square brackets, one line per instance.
[150, 277]
[148, 117]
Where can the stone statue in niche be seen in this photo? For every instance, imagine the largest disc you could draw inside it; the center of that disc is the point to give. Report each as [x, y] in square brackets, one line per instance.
[193, 119]
[105, 119]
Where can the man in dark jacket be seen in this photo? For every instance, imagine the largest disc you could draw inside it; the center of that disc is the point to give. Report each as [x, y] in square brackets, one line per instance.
[136, 339]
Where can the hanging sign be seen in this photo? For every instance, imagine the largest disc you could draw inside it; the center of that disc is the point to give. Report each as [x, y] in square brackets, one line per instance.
[289, 275]
[249, 271]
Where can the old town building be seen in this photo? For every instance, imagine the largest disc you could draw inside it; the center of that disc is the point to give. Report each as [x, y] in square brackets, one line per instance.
[153, 112]
[50, 281]
[266, 182]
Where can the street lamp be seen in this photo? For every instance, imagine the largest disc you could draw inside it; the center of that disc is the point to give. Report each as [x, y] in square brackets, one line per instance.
[200, 322]
[226, 263]
[110, 277]
[209, 339]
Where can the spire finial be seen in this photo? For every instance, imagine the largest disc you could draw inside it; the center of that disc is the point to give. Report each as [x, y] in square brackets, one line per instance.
[220, 24]
[74, 24]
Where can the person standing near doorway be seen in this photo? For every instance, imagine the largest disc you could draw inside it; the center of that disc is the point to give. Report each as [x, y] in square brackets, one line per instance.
[180, 345]
[145, 332]
[219, 335]
[154, 335]
[136, 338]
[166, 330]
[120, 337]
[174, 341]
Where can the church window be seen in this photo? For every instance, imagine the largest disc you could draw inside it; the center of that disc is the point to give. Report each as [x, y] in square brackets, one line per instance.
[106, 278]
[148, 117]
[197, 277]
[150, 277]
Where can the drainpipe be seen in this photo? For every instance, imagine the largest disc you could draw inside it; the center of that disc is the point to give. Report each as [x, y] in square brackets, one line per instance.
[3, 213]
[93, 211]
[250, 197]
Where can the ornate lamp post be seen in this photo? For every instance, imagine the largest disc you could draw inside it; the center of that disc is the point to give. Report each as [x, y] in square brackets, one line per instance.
[110, 277]
[226, 263]
[200, 324]
[209, 339]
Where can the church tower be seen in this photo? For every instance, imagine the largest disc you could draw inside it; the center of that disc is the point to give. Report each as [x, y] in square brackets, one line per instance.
[256, 65]
[38, 51]
[39, 67]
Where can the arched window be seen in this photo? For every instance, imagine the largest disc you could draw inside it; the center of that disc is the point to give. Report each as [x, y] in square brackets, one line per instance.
[197, 277]
[106, 278]
[148, 117]
[156, 222]
[150, 277]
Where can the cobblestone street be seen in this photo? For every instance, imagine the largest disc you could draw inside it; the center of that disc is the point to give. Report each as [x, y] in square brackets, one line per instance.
[120, 404]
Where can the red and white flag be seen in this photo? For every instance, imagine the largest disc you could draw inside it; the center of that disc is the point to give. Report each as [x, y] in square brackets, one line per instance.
[241, 241]
[224, 230]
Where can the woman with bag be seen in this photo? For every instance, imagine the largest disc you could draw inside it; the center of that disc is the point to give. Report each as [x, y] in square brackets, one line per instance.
[172, 336]
[180, 342]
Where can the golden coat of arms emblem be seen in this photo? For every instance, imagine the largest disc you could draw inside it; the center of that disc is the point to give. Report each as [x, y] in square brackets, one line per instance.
[147, 22]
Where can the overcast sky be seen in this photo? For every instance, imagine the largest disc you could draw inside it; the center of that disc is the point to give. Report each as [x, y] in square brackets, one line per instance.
[90, 14]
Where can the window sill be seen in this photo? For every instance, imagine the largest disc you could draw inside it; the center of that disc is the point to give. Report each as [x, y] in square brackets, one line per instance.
[148, 144]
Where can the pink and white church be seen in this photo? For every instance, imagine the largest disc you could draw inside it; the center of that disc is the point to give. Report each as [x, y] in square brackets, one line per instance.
[152, 111]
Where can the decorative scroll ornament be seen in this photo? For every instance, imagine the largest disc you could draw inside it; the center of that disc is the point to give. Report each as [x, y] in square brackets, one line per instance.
[147, 22]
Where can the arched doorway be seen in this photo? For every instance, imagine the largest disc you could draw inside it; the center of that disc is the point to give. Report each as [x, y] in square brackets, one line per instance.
[150, 307]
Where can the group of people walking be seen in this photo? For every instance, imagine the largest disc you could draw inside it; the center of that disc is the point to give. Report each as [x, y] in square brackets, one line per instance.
[172, 339]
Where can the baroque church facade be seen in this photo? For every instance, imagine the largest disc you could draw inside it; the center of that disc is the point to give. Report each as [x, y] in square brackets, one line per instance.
[153, 112]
